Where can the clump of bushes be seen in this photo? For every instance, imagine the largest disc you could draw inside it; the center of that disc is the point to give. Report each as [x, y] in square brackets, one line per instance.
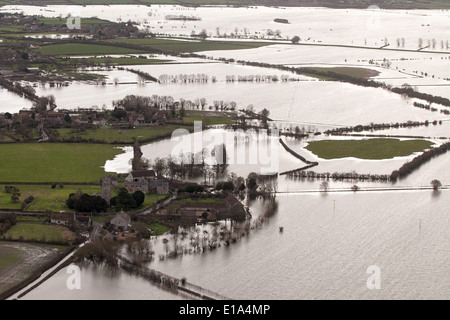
[7, 220]
[86, 203]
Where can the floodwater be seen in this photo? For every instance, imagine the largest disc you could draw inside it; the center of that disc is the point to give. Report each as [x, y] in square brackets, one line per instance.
[371, 27]
[12, 103]
[30, 257]
[261, 154]
[329, 242]
[98, 283]
[330, 239]
[315, 102]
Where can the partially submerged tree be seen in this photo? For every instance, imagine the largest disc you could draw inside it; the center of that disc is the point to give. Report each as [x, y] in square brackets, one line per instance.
[436, 184]
[324, 186]
[295, 39]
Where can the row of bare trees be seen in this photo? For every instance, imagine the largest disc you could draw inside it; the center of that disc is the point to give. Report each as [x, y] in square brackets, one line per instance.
[186, 78]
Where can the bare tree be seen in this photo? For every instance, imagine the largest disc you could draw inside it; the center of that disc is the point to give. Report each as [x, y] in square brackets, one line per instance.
[324, 186]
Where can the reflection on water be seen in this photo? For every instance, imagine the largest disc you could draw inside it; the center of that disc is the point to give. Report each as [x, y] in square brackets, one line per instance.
[98, 283]
[315, 102]
[327, 245]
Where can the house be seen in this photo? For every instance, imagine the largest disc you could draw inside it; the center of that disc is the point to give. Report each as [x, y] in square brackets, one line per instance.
[121, 221]
[159, 117]
[162, 187]
[54, 119]
[99, 233]
[133, 186]
[140, 181]
[228, 208]
[140, 120]
[101, 122]
[61, 219]
[144, 175]
[82, 221]
[33, 69]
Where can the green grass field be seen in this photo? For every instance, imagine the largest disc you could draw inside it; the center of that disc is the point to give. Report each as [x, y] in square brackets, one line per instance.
[190, 46]
[148, 44]
[54, 162]
[45, 198]
[124, 61]
[150, 199]
[208, 117]
[39, 232]
[349, 71]
[157, 229]
[74, 49]
[63, 21]
[120, 136]
[9, 256]
[371, 149]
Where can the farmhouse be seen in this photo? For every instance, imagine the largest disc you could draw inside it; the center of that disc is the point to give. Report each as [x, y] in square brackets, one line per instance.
[159, 186]
[82, 221]
[61, 219]
[144, 175]
[121, 221]
[98, 233]
[228, 208]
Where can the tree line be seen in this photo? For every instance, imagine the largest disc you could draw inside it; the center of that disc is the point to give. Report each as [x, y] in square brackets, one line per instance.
[415, 163]
[380, 126]
[338, 176]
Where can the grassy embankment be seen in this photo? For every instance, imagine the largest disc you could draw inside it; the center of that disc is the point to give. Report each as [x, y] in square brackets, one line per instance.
[371, 149]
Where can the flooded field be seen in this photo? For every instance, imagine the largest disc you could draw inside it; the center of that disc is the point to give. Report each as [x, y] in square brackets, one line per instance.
[330, 238]
[19, 260]
[371, 27]
[324, 252]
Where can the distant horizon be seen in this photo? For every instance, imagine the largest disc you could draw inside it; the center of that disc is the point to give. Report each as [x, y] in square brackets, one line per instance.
[344, 4]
